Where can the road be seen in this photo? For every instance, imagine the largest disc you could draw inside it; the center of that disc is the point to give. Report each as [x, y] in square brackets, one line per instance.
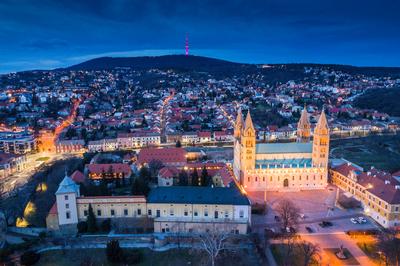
[163, 116]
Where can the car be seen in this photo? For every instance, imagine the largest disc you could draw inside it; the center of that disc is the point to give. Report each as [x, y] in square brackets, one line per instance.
[354, 220]
[325, 224]
[362, 220]
[309, 229]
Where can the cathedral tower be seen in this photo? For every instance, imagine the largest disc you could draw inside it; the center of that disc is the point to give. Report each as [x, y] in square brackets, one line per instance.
[320, 152]
[304, 127]
[248, 145]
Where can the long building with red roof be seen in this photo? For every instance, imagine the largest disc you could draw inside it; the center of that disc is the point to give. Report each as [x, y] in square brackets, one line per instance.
[378, 191]
[167, 156]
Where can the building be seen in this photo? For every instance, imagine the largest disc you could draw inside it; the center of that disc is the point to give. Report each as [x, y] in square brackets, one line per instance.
[189, 138]
[10, 164]
[197, 209]
[167, 156]
[17, 142]
[166, 176]
[293, 166]
[103, 145]
[378, 191]
[108, 170]
[138, 139]
[70, 146]
[170, 209]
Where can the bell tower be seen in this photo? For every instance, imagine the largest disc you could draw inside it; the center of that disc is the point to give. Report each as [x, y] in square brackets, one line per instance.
[248, 145]
[321, 142]
[304, 127]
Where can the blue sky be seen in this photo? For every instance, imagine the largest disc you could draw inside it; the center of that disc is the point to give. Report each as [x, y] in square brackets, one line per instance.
[45, 34]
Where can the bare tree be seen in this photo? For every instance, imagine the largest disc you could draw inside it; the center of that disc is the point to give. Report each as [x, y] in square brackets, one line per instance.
[213, 242]
[309, 251]
[289, 213]
[389, 247]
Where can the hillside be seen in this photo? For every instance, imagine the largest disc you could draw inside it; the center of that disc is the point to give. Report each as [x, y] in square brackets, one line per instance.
[180, 62]
[383, 100]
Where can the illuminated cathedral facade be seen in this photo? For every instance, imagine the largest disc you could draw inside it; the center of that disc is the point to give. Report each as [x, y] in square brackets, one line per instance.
[294, 166]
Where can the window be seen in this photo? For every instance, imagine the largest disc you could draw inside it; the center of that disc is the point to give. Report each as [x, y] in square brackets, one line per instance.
[126, 212]
[206, 213]
[85, 213]
[149, 212]
[195, 213]
[112, 212]
[98, 212]
[185, 213]
[67, 215]
[171, 212]
[67, 206]
[241, 213]
[139, 212]
[216, 214]
[158, 213]
[66, 197]
[226, 214]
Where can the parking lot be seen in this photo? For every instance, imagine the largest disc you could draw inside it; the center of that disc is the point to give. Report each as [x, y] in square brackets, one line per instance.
[315, 206]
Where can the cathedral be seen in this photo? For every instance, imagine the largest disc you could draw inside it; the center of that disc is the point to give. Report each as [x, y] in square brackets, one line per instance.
[293, 166]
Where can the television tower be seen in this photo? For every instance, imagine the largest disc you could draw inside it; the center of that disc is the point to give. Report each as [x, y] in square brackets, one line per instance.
[187, 45]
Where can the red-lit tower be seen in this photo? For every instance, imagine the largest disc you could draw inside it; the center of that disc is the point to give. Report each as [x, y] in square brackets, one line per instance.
[187, 45]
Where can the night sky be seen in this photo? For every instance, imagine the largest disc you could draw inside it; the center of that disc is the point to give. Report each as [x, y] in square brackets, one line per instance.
[44, 34]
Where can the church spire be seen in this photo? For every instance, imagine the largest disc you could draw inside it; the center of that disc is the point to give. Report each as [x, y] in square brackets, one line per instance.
[238, 124]
[248, 124]
[304, 127]
[322, 124]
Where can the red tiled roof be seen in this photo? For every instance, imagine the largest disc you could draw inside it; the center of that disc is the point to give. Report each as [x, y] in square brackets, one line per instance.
[204, 134]
[168, 172]
[116, 168]
[53, 209]
[78, 176]
[165, 155]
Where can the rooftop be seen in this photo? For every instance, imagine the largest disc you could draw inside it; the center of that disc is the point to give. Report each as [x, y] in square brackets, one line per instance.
[291, 147]
[198, 195]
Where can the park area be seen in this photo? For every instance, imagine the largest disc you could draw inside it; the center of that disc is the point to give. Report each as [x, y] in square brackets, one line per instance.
[382, 152]
[148, 257]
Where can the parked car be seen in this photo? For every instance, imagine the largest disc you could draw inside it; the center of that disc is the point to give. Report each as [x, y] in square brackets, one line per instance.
[325, 224]
[362, 220]
[354, 220]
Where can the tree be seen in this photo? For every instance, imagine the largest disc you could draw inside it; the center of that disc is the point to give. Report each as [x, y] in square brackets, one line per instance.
[178, 144]
[213, 242]
[289, 214]
[29, 258]
[154, 167]
[106, 225]
[309, 251]
[91, 220]
[195, 178]
[389, 247]
[183, 178]
[82, 227]
[205, 177]
[114, 251]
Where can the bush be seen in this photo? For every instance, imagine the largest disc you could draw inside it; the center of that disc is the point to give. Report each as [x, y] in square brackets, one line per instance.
[82, 227]
[106, 225]
[134, 257]
[29, 258]
[42, 234]
[259, 209]
[114, 251]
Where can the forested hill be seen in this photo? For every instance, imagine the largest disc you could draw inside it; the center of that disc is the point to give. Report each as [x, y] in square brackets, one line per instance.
[383, 100]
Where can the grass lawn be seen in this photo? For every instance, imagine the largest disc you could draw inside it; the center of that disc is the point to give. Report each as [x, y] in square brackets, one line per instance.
[175, 257]
[42, 159]
[382, 152]
[370, 250]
